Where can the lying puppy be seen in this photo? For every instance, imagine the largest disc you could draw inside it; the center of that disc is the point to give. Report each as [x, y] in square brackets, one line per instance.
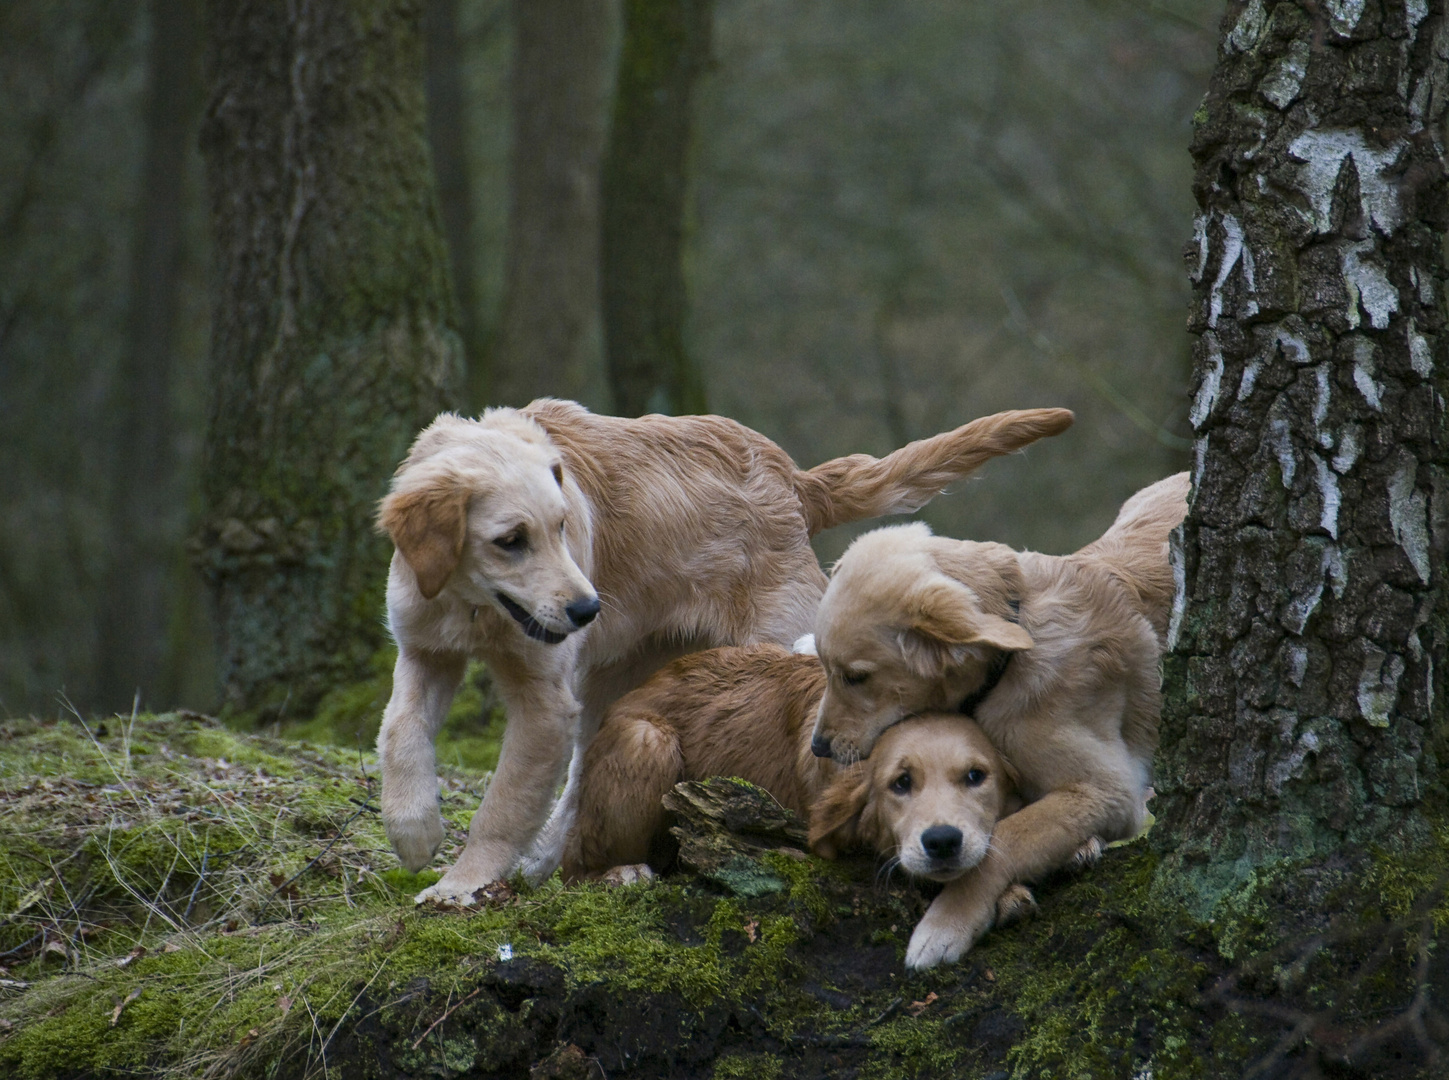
[748, 712]
[1055, 657]
[661, 535]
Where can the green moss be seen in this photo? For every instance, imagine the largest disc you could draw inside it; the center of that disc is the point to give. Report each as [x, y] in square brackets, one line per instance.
[804, 877]
[747, 1067]
[350, 716]
[912, 1046]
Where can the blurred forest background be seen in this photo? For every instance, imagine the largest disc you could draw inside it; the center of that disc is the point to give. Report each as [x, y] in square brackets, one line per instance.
[898, 217]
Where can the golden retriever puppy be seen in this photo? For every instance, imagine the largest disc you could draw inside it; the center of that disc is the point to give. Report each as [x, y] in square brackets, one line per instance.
[929, 797]
[575, 554]
[1055, 657]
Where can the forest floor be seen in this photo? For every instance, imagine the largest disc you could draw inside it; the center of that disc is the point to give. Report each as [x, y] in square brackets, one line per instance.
[179, 900]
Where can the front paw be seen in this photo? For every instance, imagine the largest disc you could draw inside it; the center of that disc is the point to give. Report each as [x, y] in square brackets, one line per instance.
[416, 839]
[1015, 904]
[461, 890]
[943, 938]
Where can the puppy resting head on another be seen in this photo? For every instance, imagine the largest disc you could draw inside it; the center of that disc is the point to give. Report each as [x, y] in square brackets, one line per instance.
[930, 796]
[898, 636]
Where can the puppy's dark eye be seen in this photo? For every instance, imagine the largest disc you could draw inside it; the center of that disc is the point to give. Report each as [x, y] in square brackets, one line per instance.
[901, 785]
[975, 778]
[854, 678]
[513, 541]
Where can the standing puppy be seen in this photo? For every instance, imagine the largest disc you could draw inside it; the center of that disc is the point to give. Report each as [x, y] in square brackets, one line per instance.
[1055, 657]
[661, 535]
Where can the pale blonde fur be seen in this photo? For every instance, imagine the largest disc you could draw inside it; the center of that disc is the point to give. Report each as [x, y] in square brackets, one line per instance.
[690, 531]
[913, 622]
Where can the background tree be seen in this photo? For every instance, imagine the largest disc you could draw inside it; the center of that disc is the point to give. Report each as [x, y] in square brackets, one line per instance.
[449, 133]
[140, 585]
[665, 48]
[1302, 715]
[898, 217]
[332, 330]
[548, 332]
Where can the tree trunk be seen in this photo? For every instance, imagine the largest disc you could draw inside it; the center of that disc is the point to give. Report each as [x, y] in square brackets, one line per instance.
[665, 49]
[333, 334]
[548, 339]
[448, 135]
[144, 494]
[1302, 712]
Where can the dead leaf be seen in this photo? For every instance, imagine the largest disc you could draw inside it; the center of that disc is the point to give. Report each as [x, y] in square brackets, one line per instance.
[171, 946]
[250, 1037]
[57, 947]
[915, 1008]
[132, 996]
[751, 929]
[135, 954]
[285, 1004]
[990, 975]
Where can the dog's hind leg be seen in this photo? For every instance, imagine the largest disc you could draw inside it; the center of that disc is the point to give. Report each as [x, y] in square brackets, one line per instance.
[634, 760]
[547, 851]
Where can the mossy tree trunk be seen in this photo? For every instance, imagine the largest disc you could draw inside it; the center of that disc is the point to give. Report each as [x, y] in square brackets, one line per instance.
[665, 49]
[548, 336]
[145, 492]
[333, 334]
[1302, 709]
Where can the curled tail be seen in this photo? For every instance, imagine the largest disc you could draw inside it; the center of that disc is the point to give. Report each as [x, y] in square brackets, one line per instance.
[860, 486]
[1135, 547]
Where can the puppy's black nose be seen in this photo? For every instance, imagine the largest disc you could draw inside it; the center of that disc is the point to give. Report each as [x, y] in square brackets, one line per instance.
[941, 841]
[582, 612]
[820, 746]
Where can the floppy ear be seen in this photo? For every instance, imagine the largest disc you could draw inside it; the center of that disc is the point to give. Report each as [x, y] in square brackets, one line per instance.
[835, 816]
[946, 611]
[428, 526]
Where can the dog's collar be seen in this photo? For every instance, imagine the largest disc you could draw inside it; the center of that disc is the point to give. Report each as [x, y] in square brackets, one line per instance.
[999, 663]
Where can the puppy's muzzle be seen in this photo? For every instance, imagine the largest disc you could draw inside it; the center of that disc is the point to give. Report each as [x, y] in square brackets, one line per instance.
[531, 626]
[820, 746]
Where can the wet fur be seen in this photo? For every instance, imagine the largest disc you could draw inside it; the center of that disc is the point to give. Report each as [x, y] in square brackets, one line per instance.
[916, 620]
[691, 531]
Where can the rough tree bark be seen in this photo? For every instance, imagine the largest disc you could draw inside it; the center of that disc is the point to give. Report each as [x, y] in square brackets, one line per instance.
[665, 49]
[144, 496]
[549, 328]
[1302, 710]
[333, 334]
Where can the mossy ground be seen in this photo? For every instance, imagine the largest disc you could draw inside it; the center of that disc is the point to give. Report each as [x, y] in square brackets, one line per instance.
[177, 899]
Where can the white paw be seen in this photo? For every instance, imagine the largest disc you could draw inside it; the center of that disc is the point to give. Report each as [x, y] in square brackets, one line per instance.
[627, 875]
[804, 645]
[460, 889]
[932, 945]
[1088, 855]
[416, 839]
[544, 857]
[942, 938]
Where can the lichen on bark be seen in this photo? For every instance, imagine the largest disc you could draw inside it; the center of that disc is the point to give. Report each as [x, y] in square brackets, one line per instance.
[333, 335]
[1301, 712]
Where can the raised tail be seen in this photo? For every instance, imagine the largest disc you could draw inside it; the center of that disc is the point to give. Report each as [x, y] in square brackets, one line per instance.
[1135, 547]
[860, 486]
